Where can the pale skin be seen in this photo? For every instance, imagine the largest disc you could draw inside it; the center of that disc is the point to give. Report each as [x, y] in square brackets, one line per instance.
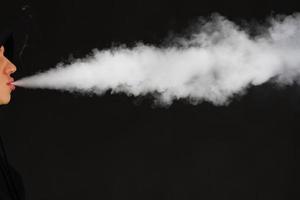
[6, 69]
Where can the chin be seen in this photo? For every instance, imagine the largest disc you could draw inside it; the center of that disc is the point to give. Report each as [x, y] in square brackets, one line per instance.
[4, 101]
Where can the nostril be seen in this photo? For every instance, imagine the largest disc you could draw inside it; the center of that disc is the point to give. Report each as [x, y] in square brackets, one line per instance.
[13, 69]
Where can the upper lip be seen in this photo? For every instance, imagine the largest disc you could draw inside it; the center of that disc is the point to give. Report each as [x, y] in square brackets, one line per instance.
[11, 80]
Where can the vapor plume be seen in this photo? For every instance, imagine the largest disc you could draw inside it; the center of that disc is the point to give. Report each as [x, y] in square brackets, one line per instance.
[214, 63]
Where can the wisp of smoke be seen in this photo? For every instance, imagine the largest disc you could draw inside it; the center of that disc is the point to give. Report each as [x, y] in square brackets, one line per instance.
[213, 64]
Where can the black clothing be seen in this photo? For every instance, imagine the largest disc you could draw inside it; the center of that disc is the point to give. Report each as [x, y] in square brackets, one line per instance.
[11, 184]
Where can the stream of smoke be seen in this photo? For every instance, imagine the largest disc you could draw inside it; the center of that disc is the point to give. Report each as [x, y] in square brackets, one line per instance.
[213, 64]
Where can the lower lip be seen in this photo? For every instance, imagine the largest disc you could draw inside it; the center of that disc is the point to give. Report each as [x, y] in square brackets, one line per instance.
[11, 86]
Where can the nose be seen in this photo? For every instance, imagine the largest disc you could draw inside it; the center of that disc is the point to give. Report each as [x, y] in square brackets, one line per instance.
[10, 68]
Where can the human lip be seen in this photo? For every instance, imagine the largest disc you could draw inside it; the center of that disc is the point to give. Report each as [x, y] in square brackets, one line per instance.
[10, 84]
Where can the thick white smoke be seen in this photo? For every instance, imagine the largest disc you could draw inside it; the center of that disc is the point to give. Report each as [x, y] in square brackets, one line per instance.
[212, 64]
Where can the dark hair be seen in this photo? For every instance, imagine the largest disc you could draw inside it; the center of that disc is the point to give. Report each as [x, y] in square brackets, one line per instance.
[6, 40]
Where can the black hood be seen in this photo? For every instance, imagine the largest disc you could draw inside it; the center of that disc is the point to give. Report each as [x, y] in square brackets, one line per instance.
[7, 40]
[8, 181]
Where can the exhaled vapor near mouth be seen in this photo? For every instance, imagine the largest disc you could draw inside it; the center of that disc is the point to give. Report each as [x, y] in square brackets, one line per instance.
[211, 64]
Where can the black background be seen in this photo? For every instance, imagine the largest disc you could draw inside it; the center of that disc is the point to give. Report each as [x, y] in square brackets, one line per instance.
[70, 146]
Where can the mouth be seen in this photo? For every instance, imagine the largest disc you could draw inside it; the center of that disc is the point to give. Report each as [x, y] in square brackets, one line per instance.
[10, 84]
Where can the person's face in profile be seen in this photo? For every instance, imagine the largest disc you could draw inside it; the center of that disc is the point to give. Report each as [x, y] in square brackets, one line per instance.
[6, 69]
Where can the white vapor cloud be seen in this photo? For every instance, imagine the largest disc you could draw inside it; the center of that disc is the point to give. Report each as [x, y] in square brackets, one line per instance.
[212, 64]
